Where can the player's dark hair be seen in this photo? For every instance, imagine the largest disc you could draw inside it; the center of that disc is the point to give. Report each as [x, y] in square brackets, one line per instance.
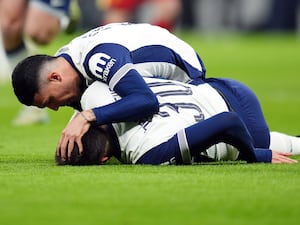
[94, 143]
[25, 77]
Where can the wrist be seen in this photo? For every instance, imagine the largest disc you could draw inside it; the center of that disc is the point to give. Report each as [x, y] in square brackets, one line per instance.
[88, 115]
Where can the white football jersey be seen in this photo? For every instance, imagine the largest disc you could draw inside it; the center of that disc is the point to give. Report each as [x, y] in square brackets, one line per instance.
[109, 52]
[181, 105]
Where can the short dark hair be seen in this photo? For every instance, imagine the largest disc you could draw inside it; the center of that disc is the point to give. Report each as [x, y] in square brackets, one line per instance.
[25, 77]
[94, 144]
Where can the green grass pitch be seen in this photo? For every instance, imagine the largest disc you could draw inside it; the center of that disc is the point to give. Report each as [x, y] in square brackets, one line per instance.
[33, 190]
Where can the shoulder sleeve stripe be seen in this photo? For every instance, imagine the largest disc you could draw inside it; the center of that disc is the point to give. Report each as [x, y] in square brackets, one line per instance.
[119, 74]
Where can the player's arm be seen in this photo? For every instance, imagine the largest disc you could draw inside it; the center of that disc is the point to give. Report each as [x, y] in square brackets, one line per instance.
[138, 102]
[112, 64]
[224, 127]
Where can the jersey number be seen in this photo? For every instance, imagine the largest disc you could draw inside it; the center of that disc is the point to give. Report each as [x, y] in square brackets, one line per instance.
[180, 90]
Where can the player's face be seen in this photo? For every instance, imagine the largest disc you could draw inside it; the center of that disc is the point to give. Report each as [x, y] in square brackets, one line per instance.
[56, 94]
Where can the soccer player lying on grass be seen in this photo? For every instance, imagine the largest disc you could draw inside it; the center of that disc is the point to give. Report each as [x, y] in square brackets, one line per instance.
[99, 146]
[193, 123]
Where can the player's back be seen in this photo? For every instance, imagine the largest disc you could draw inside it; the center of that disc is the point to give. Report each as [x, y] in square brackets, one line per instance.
[181, 105]
[154, 51]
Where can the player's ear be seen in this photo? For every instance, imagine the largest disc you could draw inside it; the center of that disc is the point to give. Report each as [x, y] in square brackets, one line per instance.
[54, 76]
[104, 159]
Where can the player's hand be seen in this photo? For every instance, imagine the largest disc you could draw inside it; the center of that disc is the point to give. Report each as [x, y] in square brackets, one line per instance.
[73, 133]
[280, 157]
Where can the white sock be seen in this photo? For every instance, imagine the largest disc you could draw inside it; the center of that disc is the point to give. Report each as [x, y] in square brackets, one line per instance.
[5, 69]
[284, 143]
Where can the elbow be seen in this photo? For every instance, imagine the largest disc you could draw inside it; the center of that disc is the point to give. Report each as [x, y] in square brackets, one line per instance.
[152, 104]
[156, 106]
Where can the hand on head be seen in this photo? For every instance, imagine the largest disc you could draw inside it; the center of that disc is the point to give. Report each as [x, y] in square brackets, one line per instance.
[95, 149]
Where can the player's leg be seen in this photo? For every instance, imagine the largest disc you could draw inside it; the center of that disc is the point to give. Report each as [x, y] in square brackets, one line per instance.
[12, 18]
[119, 11]
[30, 115]
[5, 69]
[45, 20]
[166, 13]
[244, 102]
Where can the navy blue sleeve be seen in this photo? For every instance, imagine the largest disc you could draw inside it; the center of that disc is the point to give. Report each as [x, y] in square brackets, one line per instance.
[263, 155]
[105, 60]
[224, 127]
[164, 154]
[138, 102]
[112, 64]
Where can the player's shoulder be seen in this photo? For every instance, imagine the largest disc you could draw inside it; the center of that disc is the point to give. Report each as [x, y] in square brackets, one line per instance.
[97, 94]
[97, 87]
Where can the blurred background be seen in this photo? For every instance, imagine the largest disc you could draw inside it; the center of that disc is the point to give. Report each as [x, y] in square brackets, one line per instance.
[202, 15]
[26, 23]
[42, 20]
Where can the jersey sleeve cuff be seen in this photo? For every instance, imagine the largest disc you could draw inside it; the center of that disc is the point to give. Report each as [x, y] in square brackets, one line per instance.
[263, 155]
